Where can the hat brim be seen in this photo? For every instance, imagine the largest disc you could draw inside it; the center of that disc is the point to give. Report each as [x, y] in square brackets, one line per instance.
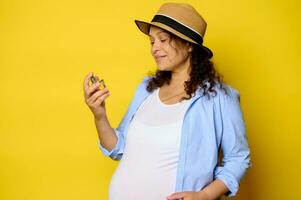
[144, 27]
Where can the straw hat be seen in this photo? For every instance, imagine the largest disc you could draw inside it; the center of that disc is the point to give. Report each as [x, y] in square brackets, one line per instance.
[181, 20]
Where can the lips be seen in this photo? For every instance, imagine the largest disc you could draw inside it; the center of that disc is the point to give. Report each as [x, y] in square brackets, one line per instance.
[159, 57]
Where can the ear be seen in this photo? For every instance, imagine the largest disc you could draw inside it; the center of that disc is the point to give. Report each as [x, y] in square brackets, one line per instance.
[190, 48]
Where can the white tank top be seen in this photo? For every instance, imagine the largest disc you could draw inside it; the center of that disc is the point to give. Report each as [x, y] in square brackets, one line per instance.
[148, 167]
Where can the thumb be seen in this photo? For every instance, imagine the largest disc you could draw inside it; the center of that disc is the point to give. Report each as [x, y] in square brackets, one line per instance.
[175, 196]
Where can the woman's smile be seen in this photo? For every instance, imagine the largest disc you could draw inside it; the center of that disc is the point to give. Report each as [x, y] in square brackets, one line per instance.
[159, 58]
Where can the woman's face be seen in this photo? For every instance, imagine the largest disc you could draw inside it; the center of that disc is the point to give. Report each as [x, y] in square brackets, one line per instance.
[168, 54]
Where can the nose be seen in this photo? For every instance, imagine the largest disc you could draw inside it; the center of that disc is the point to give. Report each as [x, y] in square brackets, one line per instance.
[155, 47]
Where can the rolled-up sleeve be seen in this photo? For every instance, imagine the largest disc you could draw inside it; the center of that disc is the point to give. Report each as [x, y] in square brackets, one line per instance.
[234, 144]
[117, 152]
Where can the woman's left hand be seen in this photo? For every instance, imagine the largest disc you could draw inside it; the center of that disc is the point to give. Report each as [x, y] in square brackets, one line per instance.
[188, 196]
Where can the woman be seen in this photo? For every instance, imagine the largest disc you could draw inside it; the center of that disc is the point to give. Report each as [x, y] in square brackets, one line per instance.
[168, 142]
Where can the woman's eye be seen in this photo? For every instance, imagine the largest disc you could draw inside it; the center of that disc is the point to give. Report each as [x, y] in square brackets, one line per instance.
[161, 40]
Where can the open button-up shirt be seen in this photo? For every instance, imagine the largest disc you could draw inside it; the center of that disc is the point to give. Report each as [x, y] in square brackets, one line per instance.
[208, 125]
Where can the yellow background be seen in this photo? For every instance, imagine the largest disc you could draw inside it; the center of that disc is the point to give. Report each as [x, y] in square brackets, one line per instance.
[48, 144]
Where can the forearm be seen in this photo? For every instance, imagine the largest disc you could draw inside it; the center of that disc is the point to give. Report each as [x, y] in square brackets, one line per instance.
[215, 189]
[106, 133]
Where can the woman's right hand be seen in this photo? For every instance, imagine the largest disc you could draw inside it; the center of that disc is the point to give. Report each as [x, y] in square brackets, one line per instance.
[95, 98]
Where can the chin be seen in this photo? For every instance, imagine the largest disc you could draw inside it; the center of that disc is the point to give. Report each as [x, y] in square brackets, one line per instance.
[163, 68]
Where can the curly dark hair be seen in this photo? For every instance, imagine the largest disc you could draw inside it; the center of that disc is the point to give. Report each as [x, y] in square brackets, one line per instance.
[202, 73]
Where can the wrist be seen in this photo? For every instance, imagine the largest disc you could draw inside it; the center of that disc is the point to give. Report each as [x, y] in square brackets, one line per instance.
[100, 118]
[203, 195]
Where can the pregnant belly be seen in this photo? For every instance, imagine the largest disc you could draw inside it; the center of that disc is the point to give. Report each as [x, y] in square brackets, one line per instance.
[137, 181]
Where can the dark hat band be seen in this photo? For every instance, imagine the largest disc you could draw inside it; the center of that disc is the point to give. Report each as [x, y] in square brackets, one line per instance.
[178, 27]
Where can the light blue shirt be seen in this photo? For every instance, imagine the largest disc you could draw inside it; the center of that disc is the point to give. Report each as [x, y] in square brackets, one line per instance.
[209, 124]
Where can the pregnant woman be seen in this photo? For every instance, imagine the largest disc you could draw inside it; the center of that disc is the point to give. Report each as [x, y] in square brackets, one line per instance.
[179, 122]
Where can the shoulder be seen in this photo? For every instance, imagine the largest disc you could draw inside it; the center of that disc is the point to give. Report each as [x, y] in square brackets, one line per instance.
[226, 92]
[146, 79]
[144, 82]
[225, 99]
[141, 86]
[227, 102]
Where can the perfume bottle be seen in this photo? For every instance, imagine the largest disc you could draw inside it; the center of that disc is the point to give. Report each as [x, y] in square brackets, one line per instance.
[95, 79]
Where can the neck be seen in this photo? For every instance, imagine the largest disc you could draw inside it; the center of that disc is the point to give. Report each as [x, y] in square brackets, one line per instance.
[180, 74]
